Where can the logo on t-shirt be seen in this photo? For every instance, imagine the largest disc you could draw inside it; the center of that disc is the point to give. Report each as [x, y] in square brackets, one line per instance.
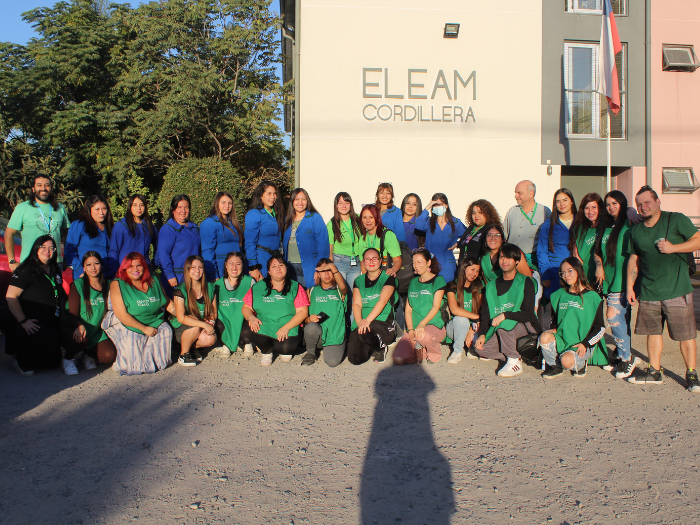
[507, 307]
[570, 304]
[370, 298]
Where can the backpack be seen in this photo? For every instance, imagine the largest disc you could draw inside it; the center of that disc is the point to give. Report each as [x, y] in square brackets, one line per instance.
[689, 258]
[405, 273]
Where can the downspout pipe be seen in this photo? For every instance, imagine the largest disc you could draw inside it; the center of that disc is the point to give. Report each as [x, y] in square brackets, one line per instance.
[297, 92]
[647, 84]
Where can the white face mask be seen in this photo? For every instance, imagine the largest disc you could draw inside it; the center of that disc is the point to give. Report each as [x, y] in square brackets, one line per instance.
[439, 210]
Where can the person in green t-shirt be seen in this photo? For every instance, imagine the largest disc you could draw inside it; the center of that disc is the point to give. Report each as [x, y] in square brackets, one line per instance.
[344, 235]
[325, 326]
[584, 232]
[374, 299]
[135, 321]
[579, 328]
[425, 327]
[231, 288]
[658, 248]
[464, 297]
[40, 215]
[375, 235]
[87, 305]
[195, 312]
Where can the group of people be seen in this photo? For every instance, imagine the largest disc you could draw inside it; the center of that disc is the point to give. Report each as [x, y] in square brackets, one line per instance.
[536, 287]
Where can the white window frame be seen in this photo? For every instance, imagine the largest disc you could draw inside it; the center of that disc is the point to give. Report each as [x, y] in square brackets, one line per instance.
[596, 99]
[572, 7]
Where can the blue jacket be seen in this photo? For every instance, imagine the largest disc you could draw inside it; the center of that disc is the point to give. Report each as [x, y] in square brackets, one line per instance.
[547, 262]
[438, 243]
[217, 242]
[312, 241]
[78, 243]
[261, 229]
[123, 243]
[393, 220]
[175, 244]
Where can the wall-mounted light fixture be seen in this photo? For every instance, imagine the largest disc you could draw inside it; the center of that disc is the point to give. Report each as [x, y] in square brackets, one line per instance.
[549, 167]
[451, 31]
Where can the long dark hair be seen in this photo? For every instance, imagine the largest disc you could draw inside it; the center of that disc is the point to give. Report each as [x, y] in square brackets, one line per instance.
[555, 213]
[429, 258]
[581, 273]
[33, 264]
[617, 223]
[384, 186]
[229, 255]
[291, 212]
[476, 286]
[91, 227]
[232, 217]
[374, 211]
[52, 196]
[146, 217]
[192, 307]
[177, 199]
[257, 204]
[448, 214]
[419, 208]
[582, 223]
[277, 256]
[335, 221]
[488, 227]
[100, 277]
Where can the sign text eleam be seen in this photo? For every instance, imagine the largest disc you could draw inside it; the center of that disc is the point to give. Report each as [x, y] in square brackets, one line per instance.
[415, 89]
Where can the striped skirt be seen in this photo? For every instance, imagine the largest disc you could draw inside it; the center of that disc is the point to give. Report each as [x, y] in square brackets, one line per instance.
[138, 353]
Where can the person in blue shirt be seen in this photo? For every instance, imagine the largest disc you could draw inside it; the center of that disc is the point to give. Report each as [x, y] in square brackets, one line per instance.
[442, 231]
[263, 228]
[553, 243]
[411, 208]
[133, 233]
[221, 234]
[177, 240]
[305, 238]
[91, 232]
[392, 217]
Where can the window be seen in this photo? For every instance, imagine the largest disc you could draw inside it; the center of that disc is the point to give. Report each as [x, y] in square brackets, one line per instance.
[595, 7]
[679, 180]
[585, 109]
[679, 58]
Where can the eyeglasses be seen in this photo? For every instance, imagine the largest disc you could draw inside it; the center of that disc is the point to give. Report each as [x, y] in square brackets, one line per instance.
[493, 236]
[50, 249]
[372, 259]
[570, 271]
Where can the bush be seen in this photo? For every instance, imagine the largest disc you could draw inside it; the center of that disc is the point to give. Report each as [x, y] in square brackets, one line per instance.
[200, 179]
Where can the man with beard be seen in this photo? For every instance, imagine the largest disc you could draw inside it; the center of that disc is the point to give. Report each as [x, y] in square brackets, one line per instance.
[658, 248]
[40, 215]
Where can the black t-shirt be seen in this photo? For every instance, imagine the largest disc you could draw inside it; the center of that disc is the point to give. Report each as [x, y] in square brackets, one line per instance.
[40, 298]
[470, 245]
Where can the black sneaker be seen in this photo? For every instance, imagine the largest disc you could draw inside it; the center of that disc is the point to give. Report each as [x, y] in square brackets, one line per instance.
[195, 354]
[379, 355]
[552, 371]
[580, 372]
[648, 376]
[691, 381]
[625, 368]
[188, 360]
[308, 359]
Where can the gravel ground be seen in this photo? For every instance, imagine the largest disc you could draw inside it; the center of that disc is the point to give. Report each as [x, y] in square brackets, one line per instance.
[232, 442]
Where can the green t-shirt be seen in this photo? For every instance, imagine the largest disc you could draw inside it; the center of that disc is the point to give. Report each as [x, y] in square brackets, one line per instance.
[230, 309]
[490, 272]
[370, 292]
[585, 244]
[350, 239]
[511, 301]
[92, 322]
[274, 310]
[292, 248]
[146, 306]
[331, 303]
[391, 245]
[451, 287]
[420, 297]
[663, 276]
[616, 270]
[28, 219]
[181, 292]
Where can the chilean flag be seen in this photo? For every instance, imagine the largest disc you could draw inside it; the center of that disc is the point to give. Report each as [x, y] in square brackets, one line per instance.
[609, 47]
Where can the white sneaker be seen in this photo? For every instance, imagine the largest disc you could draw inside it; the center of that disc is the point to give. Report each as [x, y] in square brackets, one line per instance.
[266, 359]
[454, 358]
[471, 355]
[248, 350]
[69, 367]
[89, 362]
[513, 367]
[286, 358]
[222, 350]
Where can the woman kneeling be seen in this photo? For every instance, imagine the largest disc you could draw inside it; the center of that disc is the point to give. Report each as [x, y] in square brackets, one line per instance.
[577, 314]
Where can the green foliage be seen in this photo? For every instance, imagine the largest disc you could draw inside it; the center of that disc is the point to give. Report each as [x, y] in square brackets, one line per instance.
[134, 185]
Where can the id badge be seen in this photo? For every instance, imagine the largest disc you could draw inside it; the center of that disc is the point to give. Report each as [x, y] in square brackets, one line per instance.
[58, 311]
[353, 261]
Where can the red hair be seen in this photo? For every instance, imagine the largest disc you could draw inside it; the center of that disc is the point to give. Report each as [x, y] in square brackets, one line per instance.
[126, 263]
[374, 211]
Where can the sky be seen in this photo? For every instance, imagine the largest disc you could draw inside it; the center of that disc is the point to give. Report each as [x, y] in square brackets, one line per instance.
[14, 29]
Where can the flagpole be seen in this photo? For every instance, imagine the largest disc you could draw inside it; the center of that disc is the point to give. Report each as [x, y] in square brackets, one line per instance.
[609, 169]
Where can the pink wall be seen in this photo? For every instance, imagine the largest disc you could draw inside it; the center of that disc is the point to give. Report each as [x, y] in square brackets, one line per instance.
[675, 101]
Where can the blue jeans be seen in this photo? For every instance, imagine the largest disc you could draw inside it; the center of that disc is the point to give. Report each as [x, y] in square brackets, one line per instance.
[552, 357]
[349, 273]
[297, 273]
[620, 324]
[457, 330]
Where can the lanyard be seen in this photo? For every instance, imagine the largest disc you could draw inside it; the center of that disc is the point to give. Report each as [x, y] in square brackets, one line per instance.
[55, 293]
[272, 213]
[48, 223]
[352, 235]
[530, 219]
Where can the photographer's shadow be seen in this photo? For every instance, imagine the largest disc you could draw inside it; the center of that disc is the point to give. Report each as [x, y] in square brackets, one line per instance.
[405, 479]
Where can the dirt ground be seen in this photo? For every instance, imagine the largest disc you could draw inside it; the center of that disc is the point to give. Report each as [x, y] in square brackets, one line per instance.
[232, 442]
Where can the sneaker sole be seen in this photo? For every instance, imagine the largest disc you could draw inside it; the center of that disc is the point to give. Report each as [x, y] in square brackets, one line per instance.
[186, 364]
[574, 374]
[510, 374]
[552, 377]
[693, 389]
[634, 365]
[634, 382]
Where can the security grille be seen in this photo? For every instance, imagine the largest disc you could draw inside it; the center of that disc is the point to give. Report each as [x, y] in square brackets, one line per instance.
[679, 180]
[595, 7]
[679, 58]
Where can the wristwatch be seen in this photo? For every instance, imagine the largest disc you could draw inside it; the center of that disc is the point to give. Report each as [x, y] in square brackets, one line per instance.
[12, 262]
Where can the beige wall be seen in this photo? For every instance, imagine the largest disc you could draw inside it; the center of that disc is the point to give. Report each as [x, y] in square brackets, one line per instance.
[342, 151]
